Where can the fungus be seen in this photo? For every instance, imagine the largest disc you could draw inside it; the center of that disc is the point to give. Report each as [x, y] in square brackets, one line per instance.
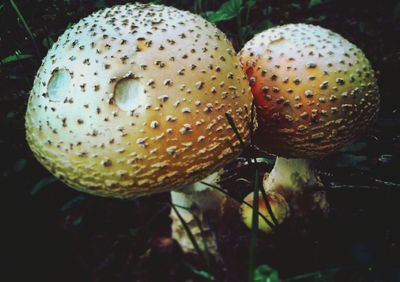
[330, 93]
[122, 127]
[279, 208]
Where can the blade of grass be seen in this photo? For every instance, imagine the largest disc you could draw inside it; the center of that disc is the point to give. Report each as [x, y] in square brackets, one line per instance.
[198, 223]
[43, 183]
[235, 130]
[28, 30]
[316, 274]
[252, 123]
[14, 58]
[189, 232]
[21, 17]
[254, 228]
[244, 202]
[263, 193]
[200, 273]
[269, 208]
[252, 160]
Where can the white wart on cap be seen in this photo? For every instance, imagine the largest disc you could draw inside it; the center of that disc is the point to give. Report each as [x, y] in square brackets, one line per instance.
[131, 101]
[314, 90]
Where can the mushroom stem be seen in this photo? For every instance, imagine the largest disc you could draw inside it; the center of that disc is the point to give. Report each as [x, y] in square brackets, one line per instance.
[291, 176]
[198, 205]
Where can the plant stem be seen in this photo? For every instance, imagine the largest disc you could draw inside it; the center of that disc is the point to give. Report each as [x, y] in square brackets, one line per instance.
[254, 229]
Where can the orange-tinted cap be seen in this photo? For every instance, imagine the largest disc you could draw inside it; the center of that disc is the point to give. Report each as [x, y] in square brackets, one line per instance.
[314, 90]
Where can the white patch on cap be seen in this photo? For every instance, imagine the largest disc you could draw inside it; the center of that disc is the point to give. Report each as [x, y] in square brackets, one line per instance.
[129, 94]
[59, 84]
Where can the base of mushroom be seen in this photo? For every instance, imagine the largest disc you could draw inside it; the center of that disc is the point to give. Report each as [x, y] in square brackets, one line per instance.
[295, 180]
[199, 205]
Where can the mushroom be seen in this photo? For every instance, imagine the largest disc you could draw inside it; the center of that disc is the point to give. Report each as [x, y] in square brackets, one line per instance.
[130, 101]
[315, 92]
[279, 210]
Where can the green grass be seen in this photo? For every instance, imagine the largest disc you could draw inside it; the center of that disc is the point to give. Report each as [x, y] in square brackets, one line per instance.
[254, 228]
[204, 254]
[14, 58]
[257, 187]
[26, 26]
[244, 202]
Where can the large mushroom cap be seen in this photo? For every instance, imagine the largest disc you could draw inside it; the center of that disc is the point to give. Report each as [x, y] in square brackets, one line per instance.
[314, 90]
[131, 100]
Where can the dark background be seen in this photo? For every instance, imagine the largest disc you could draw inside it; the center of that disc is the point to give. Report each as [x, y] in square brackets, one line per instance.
[49, 232]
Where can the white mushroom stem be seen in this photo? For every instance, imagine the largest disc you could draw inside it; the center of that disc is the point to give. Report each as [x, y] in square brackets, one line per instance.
[197, 204]
[290, 178]
[290, 175]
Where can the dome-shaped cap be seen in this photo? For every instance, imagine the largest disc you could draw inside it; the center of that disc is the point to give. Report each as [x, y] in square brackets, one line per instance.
[314, 90]
[131, 101]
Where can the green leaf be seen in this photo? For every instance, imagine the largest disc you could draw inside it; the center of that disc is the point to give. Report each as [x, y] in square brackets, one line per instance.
[228, 10]
[14, 58]
[313, 3]
[265, 273]
[42, 184]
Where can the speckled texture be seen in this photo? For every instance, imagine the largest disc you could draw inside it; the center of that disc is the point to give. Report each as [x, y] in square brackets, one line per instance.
[176, 134]
[314, 90]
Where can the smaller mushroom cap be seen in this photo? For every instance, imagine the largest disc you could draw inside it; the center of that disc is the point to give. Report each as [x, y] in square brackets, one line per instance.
[279, 207]
[314, 90]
